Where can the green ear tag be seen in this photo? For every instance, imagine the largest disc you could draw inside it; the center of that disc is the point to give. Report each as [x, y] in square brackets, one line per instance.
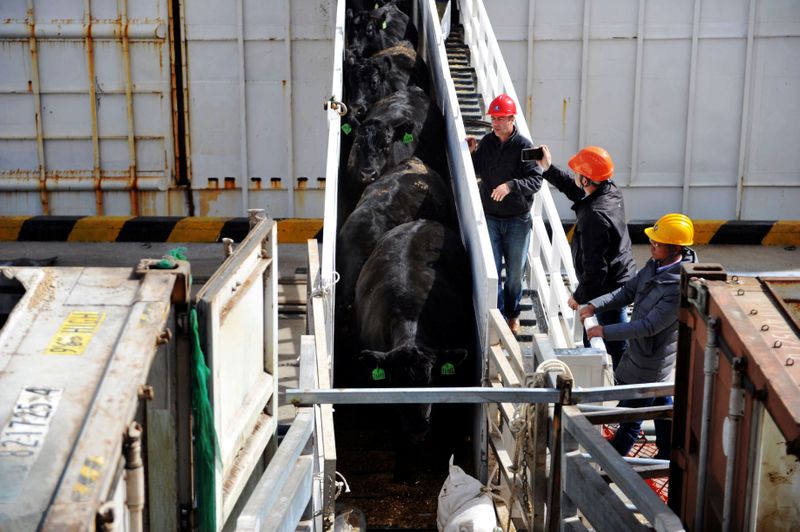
[347, 128]
[407, 138]
[378, 374]
[383, 25]
[448, 369]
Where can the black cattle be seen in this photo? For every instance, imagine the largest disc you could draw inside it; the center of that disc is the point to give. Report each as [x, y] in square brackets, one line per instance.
[383, 27]
[367, 5]
[404, 124]
[413, 310]
[371, 79]
[407, 192]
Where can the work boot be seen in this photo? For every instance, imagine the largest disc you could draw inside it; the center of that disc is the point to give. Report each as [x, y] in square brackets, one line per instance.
[513, 324]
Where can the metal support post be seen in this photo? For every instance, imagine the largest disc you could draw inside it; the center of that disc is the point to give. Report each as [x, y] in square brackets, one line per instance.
[735, 414]
[564, 385]
[710, 369]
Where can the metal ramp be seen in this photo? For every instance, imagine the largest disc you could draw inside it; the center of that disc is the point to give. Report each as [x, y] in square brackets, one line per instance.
[467, 70]
[472, 107]
[466, 83]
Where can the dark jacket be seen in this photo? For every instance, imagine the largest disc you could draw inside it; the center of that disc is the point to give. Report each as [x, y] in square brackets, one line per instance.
[601, 247]
[497, 163]
[653, 330]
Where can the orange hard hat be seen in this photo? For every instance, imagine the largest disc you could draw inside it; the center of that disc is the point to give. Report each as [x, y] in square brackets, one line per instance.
[503, 105]
[675, 228]
[593, 162]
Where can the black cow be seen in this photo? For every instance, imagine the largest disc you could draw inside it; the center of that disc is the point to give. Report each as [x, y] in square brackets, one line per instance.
[414, 315]
[404, 124]
[367, 5]
[383, 27]
[408, 192]
[371, 79]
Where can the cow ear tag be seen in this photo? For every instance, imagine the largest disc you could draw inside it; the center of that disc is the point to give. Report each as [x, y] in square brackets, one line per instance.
[448, 369]
[378, 374]
[347, 128]
[383, 25]
[408, 138]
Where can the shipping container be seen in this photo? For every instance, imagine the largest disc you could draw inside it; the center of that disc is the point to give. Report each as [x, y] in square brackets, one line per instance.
[129, 404]
[163, 107]
[736, 436]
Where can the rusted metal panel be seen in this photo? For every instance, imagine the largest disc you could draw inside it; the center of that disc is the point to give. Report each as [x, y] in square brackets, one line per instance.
[87, 94]
[753, 435]
[786, 293]
[129, 108]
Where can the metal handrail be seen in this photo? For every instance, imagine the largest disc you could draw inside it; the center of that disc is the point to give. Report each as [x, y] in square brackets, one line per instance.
[547, 257]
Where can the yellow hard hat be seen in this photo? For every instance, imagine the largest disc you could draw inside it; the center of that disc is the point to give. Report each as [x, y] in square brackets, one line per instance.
[675, 228]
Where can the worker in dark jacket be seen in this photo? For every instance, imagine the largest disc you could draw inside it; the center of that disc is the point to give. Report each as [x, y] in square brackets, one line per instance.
[653, 329]
[507, 187]
[601, 247]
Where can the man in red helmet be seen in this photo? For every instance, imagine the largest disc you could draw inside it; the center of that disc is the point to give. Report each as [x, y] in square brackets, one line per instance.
[601, 246]
[507, 186]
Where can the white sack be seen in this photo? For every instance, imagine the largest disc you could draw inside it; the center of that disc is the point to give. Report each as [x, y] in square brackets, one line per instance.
[463, 507]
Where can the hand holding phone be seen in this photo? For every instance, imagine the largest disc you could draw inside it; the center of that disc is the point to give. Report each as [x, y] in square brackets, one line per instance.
[532, 154]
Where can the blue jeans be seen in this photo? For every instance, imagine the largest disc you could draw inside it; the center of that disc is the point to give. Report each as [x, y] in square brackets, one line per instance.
[510, 239]
[628, 432]
[616, 349]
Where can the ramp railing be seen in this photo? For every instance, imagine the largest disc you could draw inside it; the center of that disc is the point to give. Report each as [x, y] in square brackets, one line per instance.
[548, 256]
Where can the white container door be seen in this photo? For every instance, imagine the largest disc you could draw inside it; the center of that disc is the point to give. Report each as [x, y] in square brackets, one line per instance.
[238, 315]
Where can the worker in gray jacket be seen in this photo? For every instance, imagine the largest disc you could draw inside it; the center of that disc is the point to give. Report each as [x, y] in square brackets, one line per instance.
[652, 332]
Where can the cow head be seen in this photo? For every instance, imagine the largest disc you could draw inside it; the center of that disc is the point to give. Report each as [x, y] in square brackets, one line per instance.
[412, 366]
[370, 31]
[378, 146]
[366, 84]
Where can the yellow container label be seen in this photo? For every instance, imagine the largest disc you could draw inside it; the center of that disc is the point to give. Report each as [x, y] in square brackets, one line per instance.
[75, 333]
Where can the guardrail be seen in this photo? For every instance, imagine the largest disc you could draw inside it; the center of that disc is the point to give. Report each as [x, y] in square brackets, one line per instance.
[472, 222]
[539, 495]
[300, 482]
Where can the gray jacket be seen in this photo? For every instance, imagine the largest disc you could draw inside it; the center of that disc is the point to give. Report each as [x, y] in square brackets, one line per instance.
[653, 329]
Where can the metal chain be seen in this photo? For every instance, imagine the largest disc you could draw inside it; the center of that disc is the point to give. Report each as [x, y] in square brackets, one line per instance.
[521, 427]
[524, 462]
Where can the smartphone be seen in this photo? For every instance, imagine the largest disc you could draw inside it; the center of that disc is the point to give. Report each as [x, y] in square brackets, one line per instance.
[533, 154]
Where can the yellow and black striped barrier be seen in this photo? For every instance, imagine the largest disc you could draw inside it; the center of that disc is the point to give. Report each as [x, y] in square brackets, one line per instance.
[147, 229]
[298, 230]
[711, 232]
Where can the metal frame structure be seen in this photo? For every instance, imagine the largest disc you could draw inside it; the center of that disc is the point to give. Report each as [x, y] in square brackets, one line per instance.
[239, 310]
[508, 373]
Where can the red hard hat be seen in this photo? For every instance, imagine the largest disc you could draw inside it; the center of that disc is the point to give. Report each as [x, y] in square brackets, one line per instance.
[593, 162]
[503, 105]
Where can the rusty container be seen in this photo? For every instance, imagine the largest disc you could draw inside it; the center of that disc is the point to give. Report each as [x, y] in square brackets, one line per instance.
[736, 435]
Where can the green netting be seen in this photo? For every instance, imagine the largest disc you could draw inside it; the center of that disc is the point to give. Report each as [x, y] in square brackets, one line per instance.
[167, 262]
[205, 436]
